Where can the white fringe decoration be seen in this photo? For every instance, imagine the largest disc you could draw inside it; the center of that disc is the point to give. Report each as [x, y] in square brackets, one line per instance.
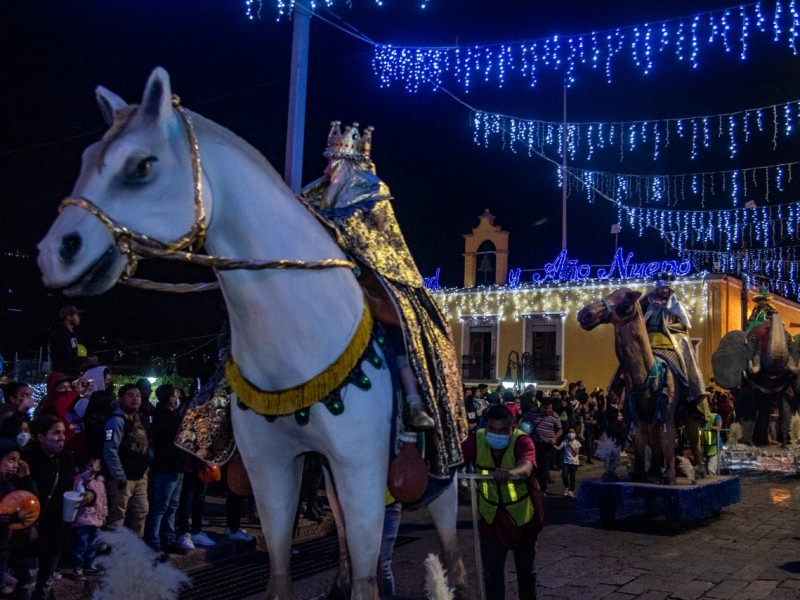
[686, 467]
[609, 453]
[133, 571]
[794, 428]
[436, 585]
[735, 434]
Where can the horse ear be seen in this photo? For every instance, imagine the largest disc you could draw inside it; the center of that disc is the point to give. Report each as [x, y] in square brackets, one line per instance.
[156, 104]
[109, 103]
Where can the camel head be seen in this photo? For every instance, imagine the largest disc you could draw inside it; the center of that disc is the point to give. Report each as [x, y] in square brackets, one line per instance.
[619, 306]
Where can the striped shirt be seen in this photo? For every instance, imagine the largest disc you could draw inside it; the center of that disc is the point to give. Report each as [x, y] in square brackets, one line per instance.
[545, 429]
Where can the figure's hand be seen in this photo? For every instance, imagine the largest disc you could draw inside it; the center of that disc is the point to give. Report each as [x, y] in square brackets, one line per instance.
[501, 475]
[27, 514]
[23, 470]
[87, 499]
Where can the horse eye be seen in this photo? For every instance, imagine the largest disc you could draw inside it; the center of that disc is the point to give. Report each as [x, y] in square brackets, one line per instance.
[142, 168]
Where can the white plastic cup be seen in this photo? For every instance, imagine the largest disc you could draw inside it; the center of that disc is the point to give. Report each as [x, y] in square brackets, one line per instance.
[70, 510]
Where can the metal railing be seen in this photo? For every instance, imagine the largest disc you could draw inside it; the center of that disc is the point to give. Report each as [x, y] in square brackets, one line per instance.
[478, 367]
[547, 368]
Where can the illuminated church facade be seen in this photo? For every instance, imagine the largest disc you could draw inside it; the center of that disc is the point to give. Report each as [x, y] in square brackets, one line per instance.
[523, 328]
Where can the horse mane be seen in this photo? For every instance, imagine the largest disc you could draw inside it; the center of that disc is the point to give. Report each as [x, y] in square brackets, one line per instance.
[121, 119]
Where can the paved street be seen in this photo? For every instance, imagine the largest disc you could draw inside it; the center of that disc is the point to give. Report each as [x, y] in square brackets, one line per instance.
[752, 551]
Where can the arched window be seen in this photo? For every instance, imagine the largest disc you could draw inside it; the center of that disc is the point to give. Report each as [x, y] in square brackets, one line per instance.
[486, 263]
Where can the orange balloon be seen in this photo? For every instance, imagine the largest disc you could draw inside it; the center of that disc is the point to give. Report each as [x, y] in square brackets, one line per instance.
[238, 480]
[25, 504]
[209, 473]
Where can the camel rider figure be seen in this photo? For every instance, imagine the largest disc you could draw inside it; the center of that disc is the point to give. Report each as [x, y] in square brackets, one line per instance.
[762, 311]
[668, 329]
[356, 205]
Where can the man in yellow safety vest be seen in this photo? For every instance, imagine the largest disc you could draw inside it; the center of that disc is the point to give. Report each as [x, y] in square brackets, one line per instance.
[510, 509]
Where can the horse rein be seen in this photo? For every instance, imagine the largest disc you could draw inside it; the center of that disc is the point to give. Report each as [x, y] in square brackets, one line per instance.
[137, 246]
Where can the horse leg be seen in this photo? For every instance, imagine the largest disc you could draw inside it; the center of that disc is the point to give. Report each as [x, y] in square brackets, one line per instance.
[278, 526]
[444, 512]
[342, 585]
[276, 487]
[361, 498]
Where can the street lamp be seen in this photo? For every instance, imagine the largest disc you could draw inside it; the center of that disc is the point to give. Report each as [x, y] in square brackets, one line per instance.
[523, 368]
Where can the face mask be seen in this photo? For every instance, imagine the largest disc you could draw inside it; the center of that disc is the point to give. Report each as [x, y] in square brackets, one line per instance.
[497, 441]
[23, 438]
[571, 436]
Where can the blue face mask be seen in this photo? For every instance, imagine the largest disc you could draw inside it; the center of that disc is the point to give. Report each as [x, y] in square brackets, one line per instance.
[497, 441]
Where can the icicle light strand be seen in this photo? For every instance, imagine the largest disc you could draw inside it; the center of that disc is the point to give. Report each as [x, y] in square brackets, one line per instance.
[732, 29]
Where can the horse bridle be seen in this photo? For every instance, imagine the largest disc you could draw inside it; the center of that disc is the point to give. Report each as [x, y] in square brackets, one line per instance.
[137, 246]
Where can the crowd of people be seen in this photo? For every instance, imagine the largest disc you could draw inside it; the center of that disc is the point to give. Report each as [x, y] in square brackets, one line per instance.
[113, 449]
[550, 418]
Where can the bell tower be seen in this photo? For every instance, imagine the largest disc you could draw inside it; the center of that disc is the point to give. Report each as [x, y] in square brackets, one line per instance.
[486, 253]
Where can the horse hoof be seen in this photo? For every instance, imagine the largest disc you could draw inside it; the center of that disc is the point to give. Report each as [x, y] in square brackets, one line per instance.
[365, 589]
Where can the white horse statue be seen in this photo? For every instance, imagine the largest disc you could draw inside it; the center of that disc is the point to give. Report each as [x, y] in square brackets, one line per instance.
[164, 180]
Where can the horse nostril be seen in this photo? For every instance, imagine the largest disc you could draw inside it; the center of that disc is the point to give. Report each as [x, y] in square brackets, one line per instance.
[70, 246]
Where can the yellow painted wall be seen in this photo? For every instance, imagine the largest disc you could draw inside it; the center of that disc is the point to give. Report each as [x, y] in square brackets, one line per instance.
[713, 304]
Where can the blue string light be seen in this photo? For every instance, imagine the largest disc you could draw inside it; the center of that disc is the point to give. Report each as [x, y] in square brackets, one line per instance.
[253, 8]
[588, 138]
[418, 66]
[774, 268]
[630, 188]
[727, 228]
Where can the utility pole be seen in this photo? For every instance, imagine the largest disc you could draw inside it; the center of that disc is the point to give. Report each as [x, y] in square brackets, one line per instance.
[298, 86]
[564, 175]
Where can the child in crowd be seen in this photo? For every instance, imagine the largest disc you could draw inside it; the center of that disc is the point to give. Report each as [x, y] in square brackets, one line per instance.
[88, 522]
[14, 475]
[571, 460]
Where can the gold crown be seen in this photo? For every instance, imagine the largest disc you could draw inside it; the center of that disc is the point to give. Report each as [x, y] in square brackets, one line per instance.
[351, 144]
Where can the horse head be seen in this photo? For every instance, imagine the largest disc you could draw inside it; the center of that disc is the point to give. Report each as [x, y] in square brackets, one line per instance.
[619, 306]
[135, 188]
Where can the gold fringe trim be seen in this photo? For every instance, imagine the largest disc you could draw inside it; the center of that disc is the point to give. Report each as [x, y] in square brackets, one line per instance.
[287, 401]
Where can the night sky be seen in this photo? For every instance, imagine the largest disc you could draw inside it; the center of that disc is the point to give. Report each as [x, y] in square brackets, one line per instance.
[235, 71]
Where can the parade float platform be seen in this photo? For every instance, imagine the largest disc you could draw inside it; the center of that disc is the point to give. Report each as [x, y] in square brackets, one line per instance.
[761, 459]
[684, 501]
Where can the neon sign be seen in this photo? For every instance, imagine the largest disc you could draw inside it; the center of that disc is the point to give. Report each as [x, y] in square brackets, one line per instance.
[432, 283]
[565, 269]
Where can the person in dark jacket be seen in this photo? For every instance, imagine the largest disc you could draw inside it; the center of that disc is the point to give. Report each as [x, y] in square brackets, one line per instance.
[67, 354]
[52, 473]
[167, 471]
[14, 476]
[101, 406]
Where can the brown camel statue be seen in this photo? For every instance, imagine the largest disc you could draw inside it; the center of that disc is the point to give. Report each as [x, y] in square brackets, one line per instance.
[652, 392]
